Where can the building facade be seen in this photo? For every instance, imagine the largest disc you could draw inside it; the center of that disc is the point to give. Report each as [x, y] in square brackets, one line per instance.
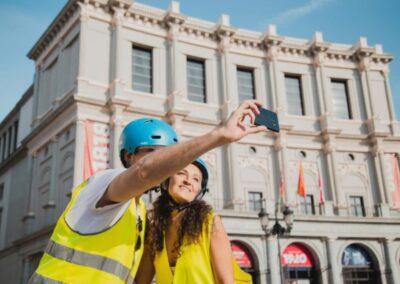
[103, 63]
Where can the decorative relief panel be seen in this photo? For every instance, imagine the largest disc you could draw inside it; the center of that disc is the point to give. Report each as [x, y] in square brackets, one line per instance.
[308, 167]
[245, 162]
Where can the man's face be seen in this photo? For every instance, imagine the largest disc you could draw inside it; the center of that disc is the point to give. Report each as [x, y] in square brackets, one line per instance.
[132, 158]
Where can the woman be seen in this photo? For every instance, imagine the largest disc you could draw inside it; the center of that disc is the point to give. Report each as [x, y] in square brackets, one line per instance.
[186, 242]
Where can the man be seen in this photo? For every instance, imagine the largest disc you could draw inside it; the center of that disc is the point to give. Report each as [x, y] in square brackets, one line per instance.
[99, 237]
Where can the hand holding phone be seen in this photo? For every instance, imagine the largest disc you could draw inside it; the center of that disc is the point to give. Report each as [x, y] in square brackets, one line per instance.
[267, 118]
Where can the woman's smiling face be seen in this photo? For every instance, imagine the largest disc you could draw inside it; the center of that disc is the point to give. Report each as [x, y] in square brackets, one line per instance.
[185, 185]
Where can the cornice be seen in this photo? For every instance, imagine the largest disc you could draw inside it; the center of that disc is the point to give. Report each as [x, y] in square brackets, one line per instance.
[208, 31]
[54, 29]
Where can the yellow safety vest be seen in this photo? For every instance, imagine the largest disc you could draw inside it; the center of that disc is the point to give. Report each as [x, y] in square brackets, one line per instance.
[194, 263]
[105, 257]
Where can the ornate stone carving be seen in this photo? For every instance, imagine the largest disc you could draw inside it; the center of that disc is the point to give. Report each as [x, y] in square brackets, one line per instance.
[245, 162]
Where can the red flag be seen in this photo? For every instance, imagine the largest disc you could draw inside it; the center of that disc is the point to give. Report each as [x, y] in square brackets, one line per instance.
[301, 187]
[321, 191]
[282, 187]
[396, 181]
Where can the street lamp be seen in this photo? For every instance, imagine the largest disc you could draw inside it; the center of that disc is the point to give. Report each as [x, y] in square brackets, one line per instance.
[277, 229]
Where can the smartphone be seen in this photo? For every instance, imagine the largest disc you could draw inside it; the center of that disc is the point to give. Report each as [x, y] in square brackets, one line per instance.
[267, 118]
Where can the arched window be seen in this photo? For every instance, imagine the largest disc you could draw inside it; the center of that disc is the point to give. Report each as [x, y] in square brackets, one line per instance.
[299, 265]
[245, 260]
[359, 266]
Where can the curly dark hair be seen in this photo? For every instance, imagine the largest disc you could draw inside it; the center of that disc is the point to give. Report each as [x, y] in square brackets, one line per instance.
[191, 225]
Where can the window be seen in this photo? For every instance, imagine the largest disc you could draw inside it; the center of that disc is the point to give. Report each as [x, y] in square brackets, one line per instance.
[294, 95]
[340, 99]
[1, 192]
[357, 206]
[1, 217]
[142, 69]
[196, 81]
[255, 201]
[15, 135]
[9, 141]
[245, 84]
[3, 154]
[307, 205]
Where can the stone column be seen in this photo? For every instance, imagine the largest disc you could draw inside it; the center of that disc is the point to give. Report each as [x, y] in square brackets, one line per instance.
[392, 271]
[273, 260]
[334, 273]
[79, 152]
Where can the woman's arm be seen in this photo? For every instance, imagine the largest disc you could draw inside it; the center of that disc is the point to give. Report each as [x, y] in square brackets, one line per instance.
[221, 253]
[146, 270]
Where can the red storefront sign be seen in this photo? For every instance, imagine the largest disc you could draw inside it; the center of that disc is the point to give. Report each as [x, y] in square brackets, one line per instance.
[296, 256]
[241, 256]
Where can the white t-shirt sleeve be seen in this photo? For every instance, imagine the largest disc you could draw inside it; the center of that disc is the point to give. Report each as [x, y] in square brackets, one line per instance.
[84, 217]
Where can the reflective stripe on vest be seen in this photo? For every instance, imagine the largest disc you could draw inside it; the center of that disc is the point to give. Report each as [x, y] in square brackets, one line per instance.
[40, 279]
[87, 259]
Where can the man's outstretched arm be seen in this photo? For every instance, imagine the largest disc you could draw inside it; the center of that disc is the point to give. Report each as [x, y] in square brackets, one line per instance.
[157, 166]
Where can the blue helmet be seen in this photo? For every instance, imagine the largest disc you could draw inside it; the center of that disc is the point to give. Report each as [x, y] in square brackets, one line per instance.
[201, 164]
[145, 132]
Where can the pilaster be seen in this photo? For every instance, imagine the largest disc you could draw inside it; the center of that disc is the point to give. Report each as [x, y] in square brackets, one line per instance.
[394, 125]
[51, 203]
[176, 111]
[272, 42]
[79, 151]
[273, 258]
[119, 9]
[332, 251]
[83, 49]
[392, 268]
[29, 217]
[224, 32]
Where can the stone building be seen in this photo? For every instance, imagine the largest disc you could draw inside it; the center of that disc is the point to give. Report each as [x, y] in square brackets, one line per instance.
[107, 62]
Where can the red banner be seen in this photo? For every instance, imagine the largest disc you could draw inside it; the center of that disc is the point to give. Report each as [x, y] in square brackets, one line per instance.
[97, 148]
[241, 256]
[296, 256]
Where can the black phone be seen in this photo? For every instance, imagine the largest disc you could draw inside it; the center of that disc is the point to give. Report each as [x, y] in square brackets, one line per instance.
[267, 118]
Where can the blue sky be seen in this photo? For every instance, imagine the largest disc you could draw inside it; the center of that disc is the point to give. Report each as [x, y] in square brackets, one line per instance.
[343, 21]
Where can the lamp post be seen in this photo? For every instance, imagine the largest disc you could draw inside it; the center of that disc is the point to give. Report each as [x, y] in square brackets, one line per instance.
[277, 229]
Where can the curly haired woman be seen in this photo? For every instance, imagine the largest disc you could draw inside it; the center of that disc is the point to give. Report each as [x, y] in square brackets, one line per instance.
[186, 242]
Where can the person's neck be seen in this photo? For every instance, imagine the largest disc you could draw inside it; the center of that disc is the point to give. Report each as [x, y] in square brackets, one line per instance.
[176, 215]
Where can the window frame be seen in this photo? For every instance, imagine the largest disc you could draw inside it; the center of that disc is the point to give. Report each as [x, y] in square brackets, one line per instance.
[150, 50]
[299, 78]
[253, 81]
[347, 96]
[308, 204]
[252, 203]
[203, 64]
[354, 208]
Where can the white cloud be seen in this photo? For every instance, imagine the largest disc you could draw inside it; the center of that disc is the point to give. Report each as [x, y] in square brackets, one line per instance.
[298, 12]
